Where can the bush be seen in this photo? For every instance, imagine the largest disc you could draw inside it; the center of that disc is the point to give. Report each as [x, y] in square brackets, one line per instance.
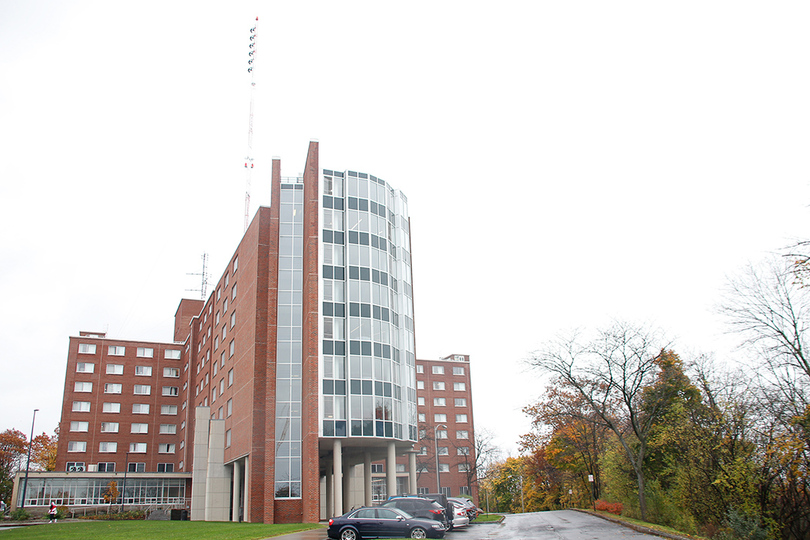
[62, 512]
[118, 516]
[20, 514]
[613, 508]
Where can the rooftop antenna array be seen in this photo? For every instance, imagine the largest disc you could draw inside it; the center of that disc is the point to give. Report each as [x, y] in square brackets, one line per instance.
[203, 290]
[249, 158]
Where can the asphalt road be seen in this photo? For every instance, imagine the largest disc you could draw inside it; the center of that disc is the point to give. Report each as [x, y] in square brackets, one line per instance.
[554, 525]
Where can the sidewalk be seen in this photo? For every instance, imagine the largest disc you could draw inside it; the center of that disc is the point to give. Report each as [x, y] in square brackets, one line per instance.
[312, 534]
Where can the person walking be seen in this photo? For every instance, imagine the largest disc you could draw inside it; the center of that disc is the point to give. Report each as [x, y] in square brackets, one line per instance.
[52, 513]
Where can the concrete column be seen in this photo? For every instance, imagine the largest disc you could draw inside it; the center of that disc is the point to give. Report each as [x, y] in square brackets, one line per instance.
[330, 508]
[367, 479]
[237, 488]
[217, 482]
[246, 490]
[199, 468]
[337, 471]
[412, 472]
[391, 470]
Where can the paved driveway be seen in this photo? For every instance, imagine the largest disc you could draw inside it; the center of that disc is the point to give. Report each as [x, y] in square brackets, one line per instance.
[555, 525]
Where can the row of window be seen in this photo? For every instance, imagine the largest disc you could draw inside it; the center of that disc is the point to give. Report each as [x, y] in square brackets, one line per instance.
[117, 388]
[111, 447]
[137, 408]
[439, 370]
[442, 434]
[441, 417]
[439, 385]
[118, 350]
[109, 466]
[112, 427]
[444, 467]
[442, 402]
[445, 451]
[118, 369]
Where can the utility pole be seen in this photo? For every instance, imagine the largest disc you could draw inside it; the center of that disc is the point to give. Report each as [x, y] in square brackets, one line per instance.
[28, 463]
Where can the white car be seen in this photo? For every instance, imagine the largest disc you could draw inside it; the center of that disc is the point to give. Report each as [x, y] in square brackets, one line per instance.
[460, 518]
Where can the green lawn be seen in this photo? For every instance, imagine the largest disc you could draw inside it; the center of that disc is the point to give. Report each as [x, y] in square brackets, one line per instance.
[488, 518]
[164, 530]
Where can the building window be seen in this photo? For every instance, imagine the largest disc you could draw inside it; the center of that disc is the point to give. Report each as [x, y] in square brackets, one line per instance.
[230, 378]
[167, 448]
[112, 388]
[139, 428]
[81, 406]
[235, 264]
[143, 371]
[172, 354]
[463, 451]
[422, 434]
[79, 386]
[140, 408]
[463, 467]
[77, 446]
[165, 467]
[438, 370]
[214, 394]
[115, 369]
[420, 401]
[422, 417]
[459, 386]
[233, 293]
[137, 447]
[423, 450]
[444, 467]
[145, 352]
[85, 367]
[87, 348]
[142, 389]
[168, 429]
[109, 427]
[441, 434]
[171, 391]
[378, 468]
[231, 348]
[106, 467]
[233, 319]
[440, 418]
[228, 439]
[465, 490]
[461, 418]
[168, 409]
[229, 408]
[108, 447]
[420, 368]
[136, 467]
[439, 402]
[225, 304]
[438, 385]
[74, 466]
[79, 426]
[443, 451]
[422, 469]
[111, 408]
[227, 279]
[420, 385]
[460, 402]
[458, 370]
[462, 434]
[171, 372]
[115, 350]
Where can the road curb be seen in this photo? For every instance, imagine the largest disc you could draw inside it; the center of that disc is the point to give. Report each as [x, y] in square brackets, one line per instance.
[637, 528]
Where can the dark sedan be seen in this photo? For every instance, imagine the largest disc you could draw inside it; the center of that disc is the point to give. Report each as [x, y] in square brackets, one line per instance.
[382, 522]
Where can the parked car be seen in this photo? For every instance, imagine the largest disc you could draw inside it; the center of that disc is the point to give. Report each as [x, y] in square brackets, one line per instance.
[420, 507]
[460, 518]
[378, 522]
[472, 510]
[443, 500]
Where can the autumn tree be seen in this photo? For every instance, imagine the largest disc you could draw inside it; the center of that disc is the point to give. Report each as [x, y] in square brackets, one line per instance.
[610, 373]
[13, 448]
[43, 451]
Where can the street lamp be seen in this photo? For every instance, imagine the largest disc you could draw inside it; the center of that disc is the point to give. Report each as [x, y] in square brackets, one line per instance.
[28, 462]
[436, 449]
[124, 483]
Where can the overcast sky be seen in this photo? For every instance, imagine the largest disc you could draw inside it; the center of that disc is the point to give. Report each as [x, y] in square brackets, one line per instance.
[566, 164]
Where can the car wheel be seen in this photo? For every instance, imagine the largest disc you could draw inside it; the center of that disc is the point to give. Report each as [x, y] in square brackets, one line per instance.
[350, 534]
[418, 532]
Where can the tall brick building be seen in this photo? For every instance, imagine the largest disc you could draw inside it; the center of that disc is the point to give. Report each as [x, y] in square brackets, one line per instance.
[280, 389]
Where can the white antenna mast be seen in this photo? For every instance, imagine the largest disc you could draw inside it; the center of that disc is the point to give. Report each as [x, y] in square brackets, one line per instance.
[249, 158]
[203, 290]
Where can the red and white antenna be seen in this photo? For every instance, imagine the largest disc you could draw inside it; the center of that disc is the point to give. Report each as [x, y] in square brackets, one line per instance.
[249, 158]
